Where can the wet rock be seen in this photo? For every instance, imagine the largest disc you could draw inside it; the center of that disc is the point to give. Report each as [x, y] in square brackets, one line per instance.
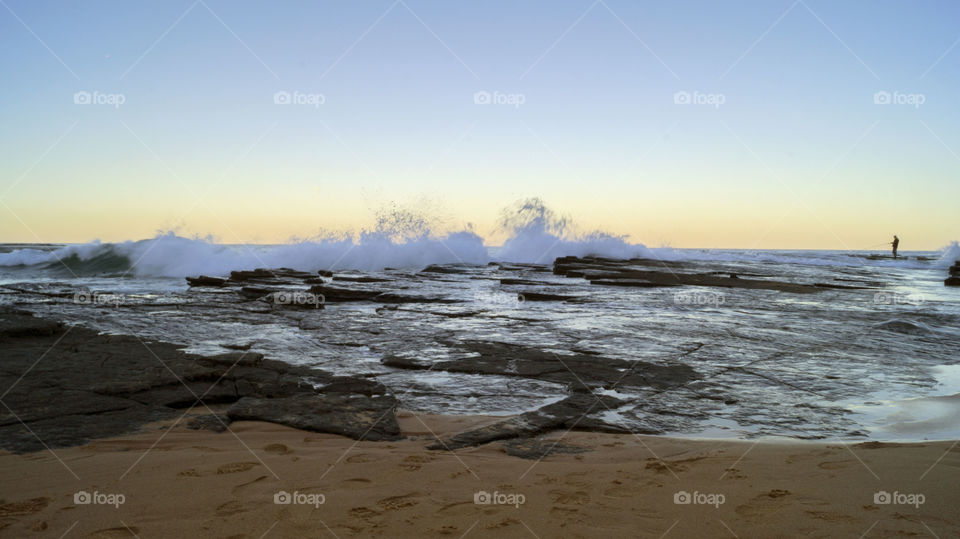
[185, 395]
[570, 413]
[952, 281]
[626, 273]
[841, 286]
[360, 279]
[389, 297]
[526, 282]
[446, 268]
[23, 324]
[242, 276]
[211, 422]
[330, 293]
[255, 292]
[204, 280]
[579, 371]
[360, 386]
[631, 282]
[357, 416]
[538, 448]
[278, 273]
[240, 347]
[242, 358]
[334, 294]
[543, 296]
[71, 430]
[903, 326]
[88, 386]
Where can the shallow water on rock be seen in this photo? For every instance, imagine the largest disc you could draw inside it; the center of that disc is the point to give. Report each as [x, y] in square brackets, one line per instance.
[838, 363]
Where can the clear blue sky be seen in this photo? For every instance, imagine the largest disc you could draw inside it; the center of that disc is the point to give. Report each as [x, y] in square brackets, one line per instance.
[796, 155]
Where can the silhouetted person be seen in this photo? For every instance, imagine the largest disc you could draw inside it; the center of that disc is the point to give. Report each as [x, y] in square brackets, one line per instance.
[895, 243]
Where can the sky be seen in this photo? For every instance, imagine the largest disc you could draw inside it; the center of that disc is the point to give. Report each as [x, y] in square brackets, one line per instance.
[743, 124]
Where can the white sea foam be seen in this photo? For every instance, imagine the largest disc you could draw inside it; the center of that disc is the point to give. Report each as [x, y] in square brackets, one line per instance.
[402, 239]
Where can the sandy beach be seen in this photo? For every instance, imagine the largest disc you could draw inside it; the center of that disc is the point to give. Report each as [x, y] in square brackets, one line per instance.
[182, 482]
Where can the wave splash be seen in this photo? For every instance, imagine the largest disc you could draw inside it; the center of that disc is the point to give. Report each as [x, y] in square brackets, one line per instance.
[399, 239]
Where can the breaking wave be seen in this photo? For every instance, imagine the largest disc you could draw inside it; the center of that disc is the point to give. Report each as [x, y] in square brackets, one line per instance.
[399, 239]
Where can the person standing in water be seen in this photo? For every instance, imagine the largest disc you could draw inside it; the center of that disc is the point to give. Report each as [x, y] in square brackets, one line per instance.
[895, 243]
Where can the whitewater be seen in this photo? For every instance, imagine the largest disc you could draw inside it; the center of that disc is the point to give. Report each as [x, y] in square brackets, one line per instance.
[871, 354]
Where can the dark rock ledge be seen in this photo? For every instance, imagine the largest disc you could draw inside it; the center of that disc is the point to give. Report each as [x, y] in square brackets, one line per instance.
[64, 386]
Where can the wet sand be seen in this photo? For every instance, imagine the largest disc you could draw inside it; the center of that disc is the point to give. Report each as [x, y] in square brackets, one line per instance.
[182, 482]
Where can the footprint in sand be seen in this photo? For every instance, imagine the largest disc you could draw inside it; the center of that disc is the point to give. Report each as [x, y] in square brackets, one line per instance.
[547, 480]
[277, 449]
[356, 482]
[733, 473]
[413, 463]
[764, 504]
[834, 464]
[364, 513]
[831, 516]
[111, 533]
[619, 490]
[394, 503]
[360, 459]
[242, 486]
[235, 467]
[812, 454]
[502, 524]
[459, 508]
[567, 497]
[26, 507]
[233, 507]
[567, 514]
[191, 472]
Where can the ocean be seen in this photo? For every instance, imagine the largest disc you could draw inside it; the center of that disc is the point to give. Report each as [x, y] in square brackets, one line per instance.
[873, 355]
